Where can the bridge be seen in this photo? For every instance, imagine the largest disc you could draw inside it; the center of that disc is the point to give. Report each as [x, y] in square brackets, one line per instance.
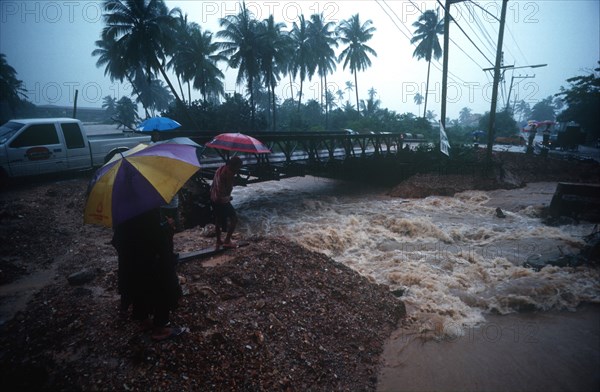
[330, 154]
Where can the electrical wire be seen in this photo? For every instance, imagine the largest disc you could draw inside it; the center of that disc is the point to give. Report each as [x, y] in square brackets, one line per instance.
[491, 45]
[435, 63]
[466, 35]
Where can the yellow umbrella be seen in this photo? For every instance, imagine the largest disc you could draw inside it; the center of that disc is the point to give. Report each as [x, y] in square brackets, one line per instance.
[137, 181]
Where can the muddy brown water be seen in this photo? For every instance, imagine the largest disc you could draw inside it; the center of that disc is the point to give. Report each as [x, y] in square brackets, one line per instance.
[550, 351]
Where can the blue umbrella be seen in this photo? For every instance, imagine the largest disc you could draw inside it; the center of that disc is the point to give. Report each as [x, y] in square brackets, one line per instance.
[158, 124]
[478, 133]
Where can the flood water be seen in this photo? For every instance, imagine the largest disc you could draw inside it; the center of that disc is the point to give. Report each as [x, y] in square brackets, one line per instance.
[453, 258]
[477, 319]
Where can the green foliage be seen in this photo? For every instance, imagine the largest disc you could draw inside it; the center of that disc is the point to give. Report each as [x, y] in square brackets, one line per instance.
[11, 91]
[582, 99]
[505, 124]
[543, 110]
[126, 113]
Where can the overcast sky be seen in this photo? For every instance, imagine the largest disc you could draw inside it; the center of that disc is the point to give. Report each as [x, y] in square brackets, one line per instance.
[49, 43]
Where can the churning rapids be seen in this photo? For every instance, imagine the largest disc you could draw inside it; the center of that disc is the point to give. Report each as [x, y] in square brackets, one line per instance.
[452, 258]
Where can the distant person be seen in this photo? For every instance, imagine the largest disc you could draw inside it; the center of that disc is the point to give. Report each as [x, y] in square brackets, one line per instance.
[147, 279]
[532, 133]
[546, 136]
[220, 197]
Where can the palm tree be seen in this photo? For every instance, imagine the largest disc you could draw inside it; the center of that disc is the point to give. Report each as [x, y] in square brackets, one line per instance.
[418, 100]
[349, 88]
[304, 58]
[371, 105]
[141, 31]
[340, 95]
[524, 109]
[356, 54]
[430, 115]
[322, 42]
[11, 88]
[240, 47]
[126, 113]
[274, 48]
[111, 55]
[182, 33]
[196, 59]
[429, 26]
[329, 101]
[110, 105]
[464, 117]
[152, 95]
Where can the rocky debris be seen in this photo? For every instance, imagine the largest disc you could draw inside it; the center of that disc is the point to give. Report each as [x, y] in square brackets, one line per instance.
[589, 254]
[500, 213]
[81, 277]
[579, 201]
[274, 317]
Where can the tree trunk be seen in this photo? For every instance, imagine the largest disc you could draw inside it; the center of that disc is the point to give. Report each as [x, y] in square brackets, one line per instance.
[291, 88]
[426, 89]
[273, 84]
[356, 90]
[300, 95]
[180, 88]
[326, 104]
[252, 108]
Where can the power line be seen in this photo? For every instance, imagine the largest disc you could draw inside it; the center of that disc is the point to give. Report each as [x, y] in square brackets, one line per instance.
[455, 77]
[484, 10]
[392, 19]
[517, 44]
[482, 29]
[466, 35]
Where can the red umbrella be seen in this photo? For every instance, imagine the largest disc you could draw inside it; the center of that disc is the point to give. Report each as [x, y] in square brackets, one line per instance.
[238, 142]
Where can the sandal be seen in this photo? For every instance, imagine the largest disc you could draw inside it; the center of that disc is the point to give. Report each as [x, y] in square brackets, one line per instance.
[169, 333]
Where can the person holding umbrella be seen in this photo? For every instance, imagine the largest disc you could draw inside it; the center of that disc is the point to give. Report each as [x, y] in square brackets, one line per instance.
[126, 194]
[146, 277]
[220, 197]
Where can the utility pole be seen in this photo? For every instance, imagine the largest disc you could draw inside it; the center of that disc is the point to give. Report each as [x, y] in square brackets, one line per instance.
[445, 54]
[512, 79]
[496, 81]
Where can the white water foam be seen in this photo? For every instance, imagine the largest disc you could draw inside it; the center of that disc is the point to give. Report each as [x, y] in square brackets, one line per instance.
[453, 258]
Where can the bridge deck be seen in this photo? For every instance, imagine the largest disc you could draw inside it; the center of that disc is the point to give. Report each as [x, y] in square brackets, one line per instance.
[300, 154]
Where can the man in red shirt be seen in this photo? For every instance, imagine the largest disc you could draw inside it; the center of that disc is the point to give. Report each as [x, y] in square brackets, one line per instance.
[220, 197]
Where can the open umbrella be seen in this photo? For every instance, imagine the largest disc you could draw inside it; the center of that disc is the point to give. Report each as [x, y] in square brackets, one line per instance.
[158, 124]
[138, 181]
[180, 140]
[238, 142]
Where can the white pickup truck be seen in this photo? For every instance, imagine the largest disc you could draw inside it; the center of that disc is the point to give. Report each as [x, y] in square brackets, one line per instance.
[48, 145]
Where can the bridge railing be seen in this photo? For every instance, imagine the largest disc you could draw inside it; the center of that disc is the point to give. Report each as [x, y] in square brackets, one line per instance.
[298, 154]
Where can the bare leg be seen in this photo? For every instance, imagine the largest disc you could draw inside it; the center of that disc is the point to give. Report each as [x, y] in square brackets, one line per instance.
[218, 231]
[230, 228]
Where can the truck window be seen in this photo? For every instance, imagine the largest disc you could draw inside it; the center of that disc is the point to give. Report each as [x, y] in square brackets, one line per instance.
[73, 136]
[36, 135]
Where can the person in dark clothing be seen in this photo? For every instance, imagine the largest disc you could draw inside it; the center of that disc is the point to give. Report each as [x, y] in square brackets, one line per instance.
[147, 279]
